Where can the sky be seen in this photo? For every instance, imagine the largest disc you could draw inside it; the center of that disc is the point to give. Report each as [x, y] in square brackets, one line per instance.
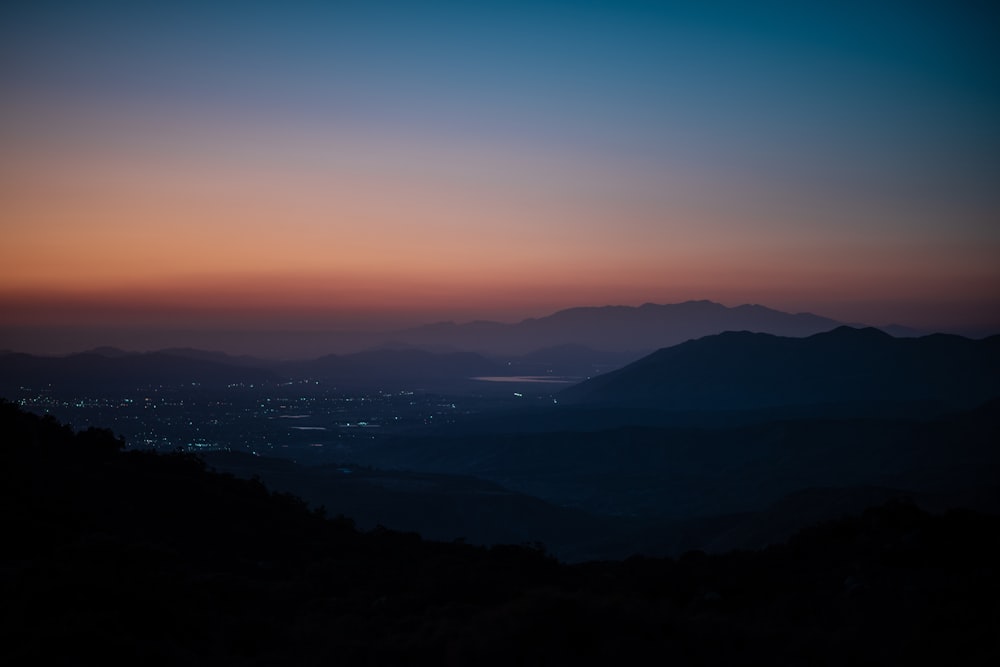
[237, 166]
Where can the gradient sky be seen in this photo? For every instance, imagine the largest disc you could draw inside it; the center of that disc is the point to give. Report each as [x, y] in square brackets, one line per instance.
[336, 165]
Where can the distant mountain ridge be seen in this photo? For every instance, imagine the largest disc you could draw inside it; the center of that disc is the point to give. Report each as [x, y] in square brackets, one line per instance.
[577, 342]
[122, 372]
[745, 371]
[616, 328]
[574, 343]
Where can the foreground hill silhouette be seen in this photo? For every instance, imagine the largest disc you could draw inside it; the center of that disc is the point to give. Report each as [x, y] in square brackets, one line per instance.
[748, 371]
[115, 555]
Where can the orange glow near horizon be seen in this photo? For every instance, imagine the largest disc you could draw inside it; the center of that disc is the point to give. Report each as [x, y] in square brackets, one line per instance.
[353, 166]
[106, 225]
[244, 228]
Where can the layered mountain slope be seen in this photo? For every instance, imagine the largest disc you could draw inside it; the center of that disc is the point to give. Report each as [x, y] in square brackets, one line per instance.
[680, 473]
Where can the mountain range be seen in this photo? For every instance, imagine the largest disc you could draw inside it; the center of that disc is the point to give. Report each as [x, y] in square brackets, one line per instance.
[843, 415]
[709, 357]
[574, 343]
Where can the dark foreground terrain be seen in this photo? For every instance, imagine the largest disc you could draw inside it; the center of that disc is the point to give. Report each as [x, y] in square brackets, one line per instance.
[153, 559]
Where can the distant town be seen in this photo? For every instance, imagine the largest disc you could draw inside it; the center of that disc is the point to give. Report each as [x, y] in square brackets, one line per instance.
[305, 421]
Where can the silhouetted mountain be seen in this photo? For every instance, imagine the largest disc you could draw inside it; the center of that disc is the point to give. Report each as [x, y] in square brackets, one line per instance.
[616, 328]
[108, 351]
[132, 557]
[745, 371]
[94, 372]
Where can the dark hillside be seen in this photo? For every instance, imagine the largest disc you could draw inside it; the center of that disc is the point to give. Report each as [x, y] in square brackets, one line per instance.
[119, 556]
[748, 371]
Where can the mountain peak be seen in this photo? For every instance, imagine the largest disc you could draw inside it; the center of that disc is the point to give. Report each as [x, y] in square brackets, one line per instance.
[847, 332]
